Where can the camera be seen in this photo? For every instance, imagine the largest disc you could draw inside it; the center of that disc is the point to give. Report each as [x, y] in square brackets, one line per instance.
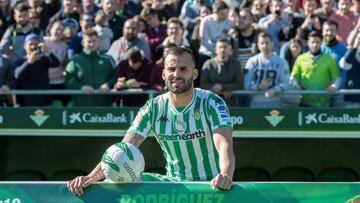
[278, 12]
[36, 49]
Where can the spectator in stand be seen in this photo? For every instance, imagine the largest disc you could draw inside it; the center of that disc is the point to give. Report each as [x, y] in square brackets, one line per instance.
[274, 23]
[141, 22]
[315, 70]
[12, 43]
[195, 35]
[190, 13]
[223, 74]
[351, 63]
[355, 8]
[58, 47]
[325, 10]
[243, 40]
[6, 17]
[119, 48]
[34, 18]
[345, 19]
[44, 10]
[165, 10]
[175, 35]
[291, 9]
[234, 16]
[290, 54]
[353, 35]
[155, 31]
[258, 9]
[308, 21]
[266, 72]
[89, 7]
[212, 28]
[74, 41]
[32, 71]
[116, 22]
[7, 81]
[67, 15]
[104, 32]
[294, 49]
[330, 44]
[89, 71]
[156, 81]
[127, 9]
[133, 73]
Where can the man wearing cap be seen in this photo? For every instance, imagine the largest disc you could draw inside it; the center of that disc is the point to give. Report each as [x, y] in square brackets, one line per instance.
[32, 71]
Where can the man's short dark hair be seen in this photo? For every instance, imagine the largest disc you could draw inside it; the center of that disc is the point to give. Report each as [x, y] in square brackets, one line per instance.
[90, 33]
[315, 34]
[219, 5]
[177, 51]
[21, 7]
[224, 40]
[176, 21]
[331, 22]
[148, 12]
[264, 35]
[135, 55]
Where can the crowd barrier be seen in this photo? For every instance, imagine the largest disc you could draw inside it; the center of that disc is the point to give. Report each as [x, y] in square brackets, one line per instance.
[247, 192]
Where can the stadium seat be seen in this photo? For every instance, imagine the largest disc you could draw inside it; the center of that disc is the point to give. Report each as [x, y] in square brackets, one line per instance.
[66, 175]
[338, 174]
[25, 175]
[251, 174]
[293, 174]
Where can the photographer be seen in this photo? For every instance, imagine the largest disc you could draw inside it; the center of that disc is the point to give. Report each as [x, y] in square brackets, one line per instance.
[32, 71]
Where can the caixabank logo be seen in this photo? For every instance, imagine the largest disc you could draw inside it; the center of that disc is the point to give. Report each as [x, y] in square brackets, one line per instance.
[321, 118]
[70, 118]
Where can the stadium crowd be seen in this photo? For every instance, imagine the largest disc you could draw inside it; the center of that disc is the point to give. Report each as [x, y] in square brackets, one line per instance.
[259, 45]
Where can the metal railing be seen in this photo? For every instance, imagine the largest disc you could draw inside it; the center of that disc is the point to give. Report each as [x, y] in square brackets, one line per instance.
[153, 93]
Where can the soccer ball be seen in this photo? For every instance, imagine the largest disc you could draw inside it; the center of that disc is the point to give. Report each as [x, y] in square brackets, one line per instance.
[122, 163]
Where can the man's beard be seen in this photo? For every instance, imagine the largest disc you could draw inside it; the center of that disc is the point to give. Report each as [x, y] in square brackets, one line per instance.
[131, 38]
[185, 86]
[23, 23]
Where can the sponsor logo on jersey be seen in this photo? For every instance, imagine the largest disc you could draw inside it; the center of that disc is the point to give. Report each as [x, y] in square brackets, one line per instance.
[180, 126]
[224, 114]
[39, 118]
[275, 118]
[177, 137]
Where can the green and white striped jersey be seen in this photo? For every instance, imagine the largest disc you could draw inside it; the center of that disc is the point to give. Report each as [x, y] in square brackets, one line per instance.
[186, 136]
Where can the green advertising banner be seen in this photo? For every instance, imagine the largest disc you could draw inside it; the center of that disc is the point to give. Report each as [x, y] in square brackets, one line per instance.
[183, 193]
[244, 119]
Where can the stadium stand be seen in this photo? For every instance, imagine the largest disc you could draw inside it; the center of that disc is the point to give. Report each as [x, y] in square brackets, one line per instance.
[25, 175]
[251, 174]
[338, 174]
[65, 175]
[293, 174]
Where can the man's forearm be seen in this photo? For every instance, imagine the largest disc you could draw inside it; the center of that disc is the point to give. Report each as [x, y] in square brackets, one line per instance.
[97, 173]
[226, 161]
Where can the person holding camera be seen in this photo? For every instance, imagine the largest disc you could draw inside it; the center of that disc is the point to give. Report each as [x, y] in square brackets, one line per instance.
[274, 23]
[31, 71]
[268, 73]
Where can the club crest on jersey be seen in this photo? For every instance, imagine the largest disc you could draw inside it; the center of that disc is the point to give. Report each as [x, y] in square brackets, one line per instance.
[197, 114]
[180, 126]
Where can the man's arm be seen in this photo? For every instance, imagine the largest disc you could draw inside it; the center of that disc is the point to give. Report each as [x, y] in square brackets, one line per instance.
[77, 185]
[224, 145]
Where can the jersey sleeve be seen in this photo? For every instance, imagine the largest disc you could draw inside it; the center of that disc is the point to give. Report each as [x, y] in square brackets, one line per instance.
[142, 123]
[218, 113]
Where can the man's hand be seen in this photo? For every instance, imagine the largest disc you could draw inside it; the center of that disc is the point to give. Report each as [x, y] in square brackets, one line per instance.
[265, 84]
[4, 88]
[216, 88]
[77, 185]
[270, 93]
[32, 57]
[331, 89]
[87, 89]
[221, 181]
[104, 88]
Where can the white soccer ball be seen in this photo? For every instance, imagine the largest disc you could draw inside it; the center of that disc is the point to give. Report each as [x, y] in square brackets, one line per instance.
[122, 163]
